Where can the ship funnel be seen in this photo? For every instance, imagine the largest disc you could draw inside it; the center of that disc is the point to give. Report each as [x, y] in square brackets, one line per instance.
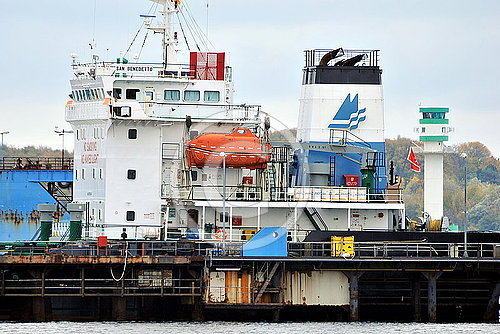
[331, 55]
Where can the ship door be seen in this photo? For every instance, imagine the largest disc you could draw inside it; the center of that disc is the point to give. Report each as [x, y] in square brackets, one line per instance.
[149, 98]
[192, 218]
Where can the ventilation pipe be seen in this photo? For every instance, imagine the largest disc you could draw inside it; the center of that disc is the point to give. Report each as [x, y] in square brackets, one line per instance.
[331, 55]
[46, 216]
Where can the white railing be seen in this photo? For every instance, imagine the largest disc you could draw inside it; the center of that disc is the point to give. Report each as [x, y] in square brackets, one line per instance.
[134, 70]
[87, 110]
[238, 193]
[293, 194]
[202, 111]
[336, 194]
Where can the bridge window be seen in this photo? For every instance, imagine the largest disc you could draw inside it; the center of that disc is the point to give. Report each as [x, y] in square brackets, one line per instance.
[132, 133]
[131, 174]
[434, 115]
[211, 96]
[171, 95]
[130, 216]
[117, 93]
[87, 94]
[191, 95]
[132, 93]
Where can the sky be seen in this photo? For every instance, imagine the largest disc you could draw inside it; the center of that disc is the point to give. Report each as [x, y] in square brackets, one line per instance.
[432, 53]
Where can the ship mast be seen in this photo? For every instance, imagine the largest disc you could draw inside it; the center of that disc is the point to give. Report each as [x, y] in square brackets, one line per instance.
[169, 41]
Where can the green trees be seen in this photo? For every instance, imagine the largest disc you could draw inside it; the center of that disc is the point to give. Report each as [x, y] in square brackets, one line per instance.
[33, 152]
[483, 183]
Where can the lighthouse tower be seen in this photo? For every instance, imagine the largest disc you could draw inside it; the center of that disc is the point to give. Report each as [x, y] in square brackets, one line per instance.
[433, 131]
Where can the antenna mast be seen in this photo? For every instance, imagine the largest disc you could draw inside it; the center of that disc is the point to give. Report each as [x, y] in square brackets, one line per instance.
[169, 41]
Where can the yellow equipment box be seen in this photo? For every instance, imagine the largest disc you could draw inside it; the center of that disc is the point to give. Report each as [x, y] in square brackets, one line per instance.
[342, 246]
[247, 234]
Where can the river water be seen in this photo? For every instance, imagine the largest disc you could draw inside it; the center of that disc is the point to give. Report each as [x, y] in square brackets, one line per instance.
[237, 327]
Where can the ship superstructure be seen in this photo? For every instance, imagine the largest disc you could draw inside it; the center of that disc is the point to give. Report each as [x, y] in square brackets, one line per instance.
[162, 151]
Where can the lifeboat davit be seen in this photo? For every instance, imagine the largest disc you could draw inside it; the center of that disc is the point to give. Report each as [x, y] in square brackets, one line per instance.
[242, 149]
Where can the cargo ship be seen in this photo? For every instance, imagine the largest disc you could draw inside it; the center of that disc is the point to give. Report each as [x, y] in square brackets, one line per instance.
[162, 151]
[181, 206]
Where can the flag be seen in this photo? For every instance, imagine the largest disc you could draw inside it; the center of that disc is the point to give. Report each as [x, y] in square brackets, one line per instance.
[413, 161]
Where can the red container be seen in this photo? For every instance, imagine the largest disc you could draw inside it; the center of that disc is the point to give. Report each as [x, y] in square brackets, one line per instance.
[351, 180]
[207, 65]
[102, 241]
[247, 179]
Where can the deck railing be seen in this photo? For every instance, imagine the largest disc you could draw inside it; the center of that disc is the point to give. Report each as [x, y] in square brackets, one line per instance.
[360, 250]
[250, 192]
[206, 111]
[36, 163]
[101, 287]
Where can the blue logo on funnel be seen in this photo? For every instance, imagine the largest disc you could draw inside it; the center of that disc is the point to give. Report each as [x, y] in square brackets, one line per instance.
[348, 116]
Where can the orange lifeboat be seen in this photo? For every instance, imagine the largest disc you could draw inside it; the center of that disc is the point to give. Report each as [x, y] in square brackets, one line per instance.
[242, 149]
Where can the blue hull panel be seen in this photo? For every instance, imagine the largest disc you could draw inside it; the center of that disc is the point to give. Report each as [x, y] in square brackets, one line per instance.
[20, 193]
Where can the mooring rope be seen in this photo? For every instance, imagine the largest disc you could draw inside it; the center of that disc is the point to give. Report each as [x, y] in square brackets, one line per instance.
[124, 266]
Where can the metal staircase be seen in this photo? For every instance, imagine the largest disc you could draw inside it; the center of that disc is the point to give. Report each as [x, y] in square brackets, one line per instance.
[315, 218]
[62, 192]
[332, 171]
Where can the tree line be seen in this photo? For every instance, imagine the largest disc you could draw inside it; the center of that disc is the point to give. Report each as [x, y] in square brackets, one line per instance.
[483, 183]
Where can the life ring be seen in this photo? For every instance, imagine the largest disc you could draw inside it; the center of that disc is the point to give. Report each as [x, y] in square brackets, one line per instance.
[220, 234]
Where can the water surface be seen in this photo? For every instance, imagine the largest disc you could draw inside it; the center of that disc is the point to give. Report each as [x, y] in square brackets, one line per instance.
[238, 327]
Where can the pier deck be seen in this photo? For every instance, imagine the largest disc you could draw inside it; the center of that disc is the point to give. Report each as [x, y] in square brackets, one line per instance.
[154, 281]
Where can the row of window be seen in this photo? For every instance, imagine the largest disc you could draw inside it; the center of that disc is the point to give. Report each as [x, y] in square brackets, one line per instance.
[169, 95]
[96, 174]
[97, 133]
[89, 94]
[434, 115]
[99, 214]
[443, 130]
